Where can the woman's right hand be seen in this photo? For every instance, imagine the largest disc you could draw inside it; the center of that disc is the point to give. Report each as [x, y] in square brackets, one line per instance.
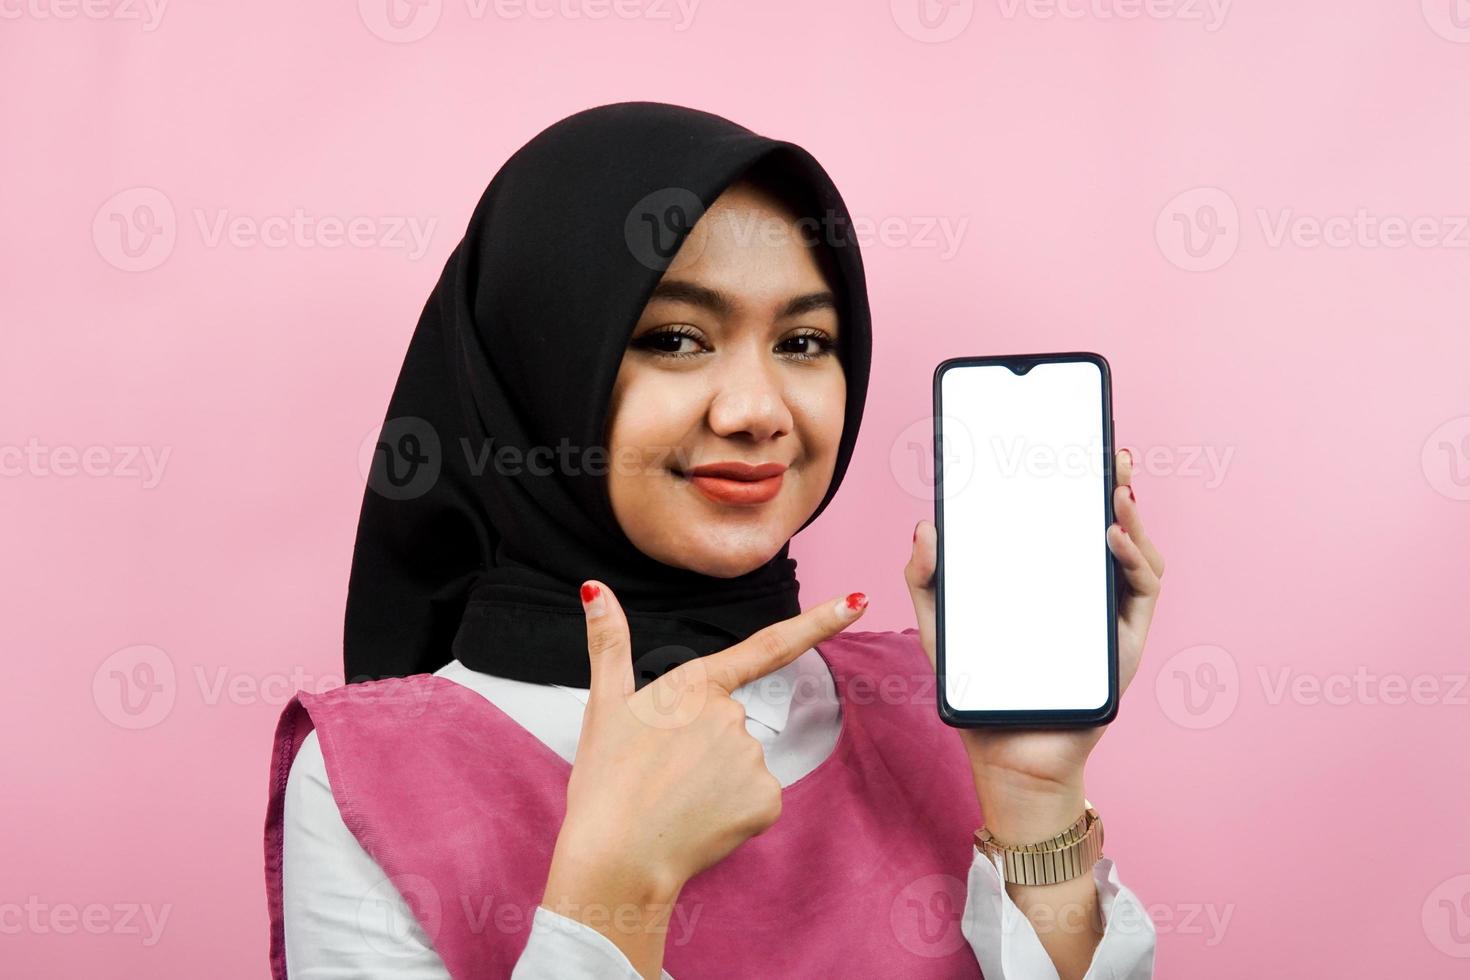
[667, 781]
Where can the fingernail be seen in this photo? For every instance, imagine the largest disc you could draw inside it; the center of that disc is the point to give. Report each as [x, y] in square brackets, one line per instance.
[1130, 455]
[594, 603]
[1130, 493]
[1125, 531]
[916, 531]
[849, 607]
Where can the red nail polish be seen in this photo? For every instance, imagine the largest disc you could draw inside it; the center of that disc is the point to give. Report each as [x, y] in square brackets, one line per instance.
[1130, 493]
[1130, 455]
[857, 601]
[590, 592]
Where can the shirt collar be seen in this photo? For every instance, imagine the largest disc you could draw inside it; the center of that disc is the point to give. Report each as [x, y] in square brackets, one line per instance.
[766, 700]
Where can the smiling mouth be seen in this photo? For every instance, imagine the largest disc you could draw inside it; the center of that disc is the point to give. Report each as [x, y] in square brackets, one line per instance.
[737, 484]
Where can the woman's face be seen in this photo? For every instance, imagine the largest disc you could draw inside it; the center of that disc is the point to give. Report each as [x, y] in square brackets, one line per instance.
[734, 360]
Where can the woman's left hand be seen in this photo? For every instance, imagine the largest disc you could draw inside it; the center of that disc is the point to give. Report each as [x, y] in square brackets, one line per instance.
[1029, 779]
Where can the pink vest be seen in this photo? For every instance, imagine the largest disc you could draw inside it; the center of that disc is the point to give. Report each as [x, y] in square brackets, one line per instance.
[863, 875]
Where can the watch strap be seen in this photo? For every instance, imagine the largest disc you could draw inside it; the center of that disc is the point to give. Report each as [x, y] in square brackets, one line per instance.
[1067, 855]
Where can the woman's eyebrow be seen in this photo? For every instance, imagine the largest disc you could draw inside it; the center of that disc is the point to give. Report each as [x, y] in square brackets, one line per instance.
[716, 301]
[823, 300]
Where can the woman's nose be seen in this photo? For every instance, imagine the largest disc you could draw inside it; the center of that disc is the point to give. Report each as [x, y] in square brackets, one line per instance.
[751, 401]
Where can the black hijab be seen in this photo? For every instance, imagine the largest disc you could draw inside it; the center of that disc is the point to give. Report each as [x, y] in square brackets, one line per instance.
[487, 502]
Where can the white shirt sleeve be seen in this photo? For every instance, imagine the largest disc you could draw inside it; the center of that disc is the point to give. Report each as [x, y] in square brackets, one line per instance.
[565, 949]
[1006, 944]
[344, 918]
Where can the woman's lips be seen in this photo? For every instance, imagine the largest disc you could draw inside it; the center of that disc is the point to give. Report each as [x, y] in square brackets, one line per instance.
[739, 484]
[725, 491]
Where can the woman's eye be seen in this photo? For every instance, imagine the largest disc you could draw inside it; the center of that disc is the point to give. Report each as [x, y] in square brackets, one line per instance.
[671, 343]
[808, 346]
[685, 342]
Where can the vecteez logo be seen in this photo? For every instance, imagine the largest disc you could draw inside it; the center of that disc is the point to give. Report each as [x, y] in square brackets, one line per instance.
[147, 13]
[1199, 230]
[400, 21]
[136, 230]
[1450, 19]
[407, 21]
[1198, 687]
[135, 687]
[932, 21]
[1445, 458]
[402, 458]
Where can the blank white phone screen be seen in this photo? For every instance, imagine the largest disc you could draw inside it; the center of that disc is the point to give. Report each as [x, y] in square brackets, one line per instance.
[1025, 550]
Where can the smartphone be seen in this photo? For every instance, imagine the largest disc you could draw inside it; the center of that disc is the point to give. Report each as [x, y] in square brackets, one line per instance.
[1025, 586]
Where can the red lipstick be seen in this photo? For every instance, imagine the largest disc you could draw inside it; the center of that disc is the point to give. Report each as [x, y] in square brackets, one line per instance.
[737, 483]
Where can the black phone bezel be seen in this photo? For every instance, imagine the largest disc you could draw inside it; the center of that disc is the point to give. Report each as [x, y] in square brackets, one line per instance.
[1050, 718]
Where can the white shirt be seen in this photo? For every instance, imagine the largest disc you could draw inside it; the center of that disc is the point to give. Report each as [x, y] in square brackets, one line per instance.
[345, 921]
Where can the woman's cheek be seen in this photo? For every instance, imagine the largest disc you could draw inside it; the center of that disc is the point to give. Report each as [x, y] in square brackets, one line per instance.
[820, 411]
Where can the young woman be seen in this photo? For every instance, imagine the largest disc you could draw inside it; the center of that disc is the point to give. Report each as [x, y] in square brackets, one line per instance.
[595, 735]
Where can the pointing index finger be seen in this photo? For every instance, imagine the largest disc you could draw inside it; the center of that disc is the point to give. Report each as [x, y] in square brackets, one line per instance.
[772, 648]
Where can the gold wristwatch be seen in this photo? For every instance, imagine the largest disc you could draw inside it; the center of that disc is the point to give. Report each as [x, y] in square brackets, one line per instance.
[1069, 854]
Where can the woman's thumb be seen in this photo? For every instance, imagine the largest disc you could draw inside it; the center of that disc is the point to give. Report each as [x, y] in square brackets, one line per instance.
[919, 575]
[609, 648]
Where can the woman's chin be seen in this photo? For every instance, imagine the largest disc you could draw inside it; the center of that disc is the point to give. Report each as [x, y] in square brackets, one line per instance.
[728, 560]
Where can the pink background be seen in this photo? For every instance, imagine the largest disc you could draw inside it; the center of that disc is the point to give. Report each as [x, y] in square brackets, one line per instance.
[1315, 829]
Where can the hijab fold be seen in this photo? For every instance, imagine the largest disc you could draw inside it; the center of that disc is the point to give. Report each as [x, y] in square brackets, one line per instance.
[487, 504]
